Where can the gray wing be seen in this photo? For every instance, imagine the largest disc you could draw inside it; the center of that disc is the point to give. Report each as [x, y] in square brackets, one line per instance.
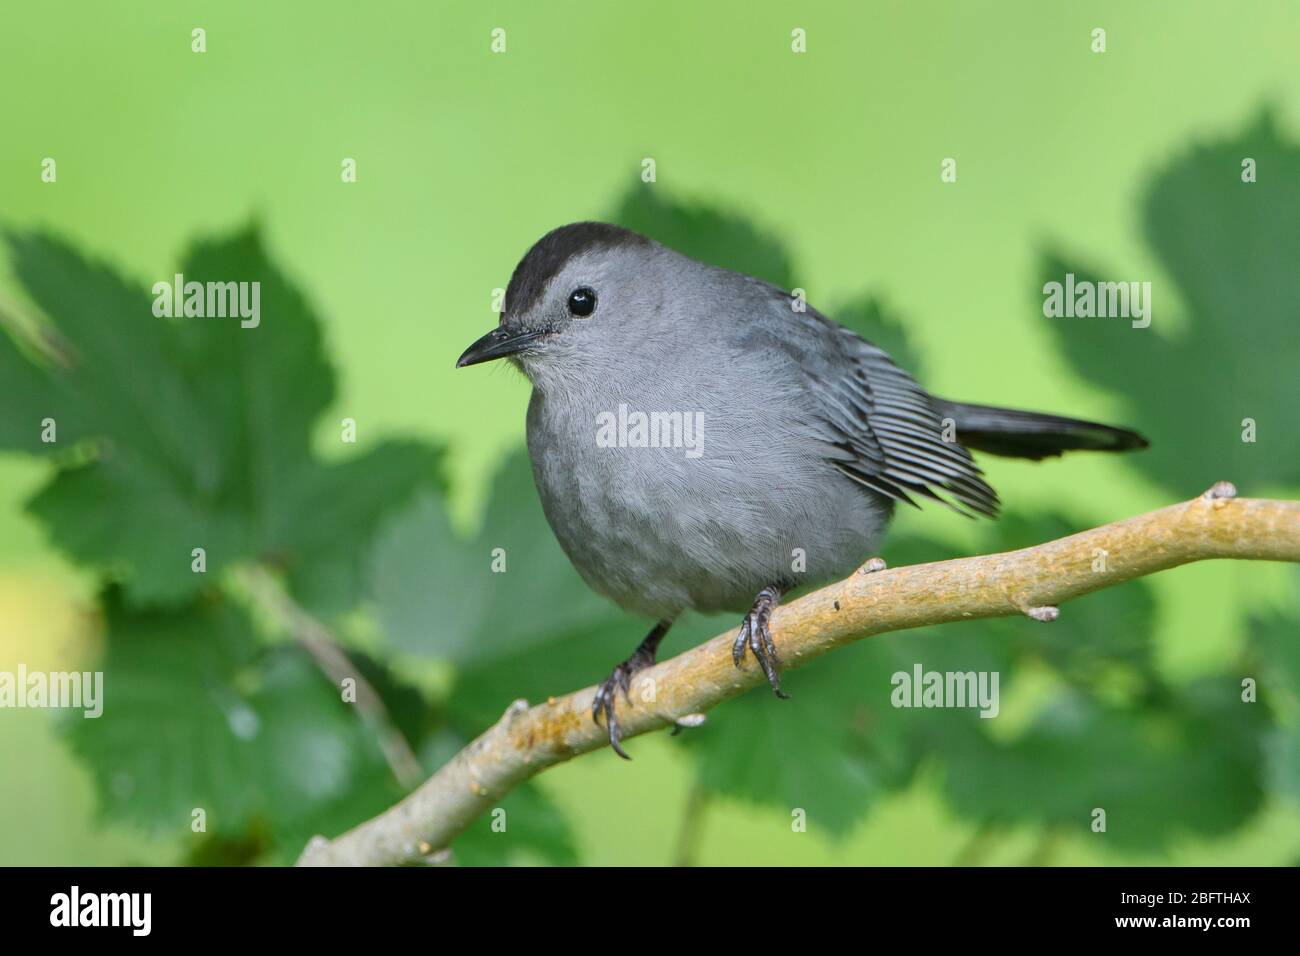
[889, 436]
[880, 428]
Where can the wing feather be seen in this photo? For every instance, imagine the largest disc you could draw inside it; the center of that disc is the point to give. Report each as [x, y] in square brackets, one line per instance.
[891, 430]
[877, 425]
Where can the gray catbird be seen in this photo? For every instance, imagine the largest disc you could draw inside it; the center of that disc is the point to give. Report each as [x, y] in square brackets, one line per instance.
[701, 439]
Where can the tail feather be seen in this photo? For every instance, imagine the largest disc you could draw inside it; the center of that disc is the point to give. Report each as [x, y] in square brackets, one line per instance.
[1018, 434]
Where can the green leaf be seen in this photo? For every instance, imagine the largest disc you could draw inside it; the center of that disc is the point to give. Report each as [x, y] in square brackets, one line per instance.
[373, 790]
[1230, 249]
[332, 513]
[198, 431]
[199, 713]
[1190, 762]
[831, 750]
[125, 381]
[263, 387]
[422, 573]
[1275, 667]
[525, 827]
[29, 395]
[130, 522]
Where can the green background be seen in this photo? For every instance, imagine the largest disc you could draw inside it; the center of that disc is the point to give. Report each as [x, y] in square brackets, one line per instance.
[466, 157]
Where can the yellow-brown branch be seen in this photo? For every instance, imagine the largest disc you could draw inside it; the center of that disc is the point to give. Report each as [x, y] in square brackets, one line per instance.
[1031, 581]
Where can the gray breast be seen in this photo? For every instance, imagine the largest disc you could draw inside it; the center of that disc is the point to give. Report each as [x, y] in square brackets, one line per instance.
[662, 529]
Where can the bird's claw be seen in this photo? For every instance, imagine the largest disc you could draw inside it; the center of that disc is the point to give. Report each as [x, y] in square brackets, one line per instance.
[607, 696]
[756, 635]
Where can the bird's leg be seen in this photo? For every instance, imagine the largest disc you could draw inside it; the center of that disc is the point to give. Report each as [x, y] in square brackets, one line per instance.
[757, 636]
[621, 679]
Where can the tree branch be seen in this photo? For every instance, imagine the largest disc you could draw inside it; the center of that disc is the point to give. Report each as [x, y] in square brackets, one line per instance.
[315, 638]
[1032, 581]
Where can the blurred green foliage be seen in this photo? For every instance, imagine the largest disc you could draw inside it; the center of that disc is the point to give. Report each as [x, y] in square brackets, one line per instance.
[175, 434]
[1232, 251]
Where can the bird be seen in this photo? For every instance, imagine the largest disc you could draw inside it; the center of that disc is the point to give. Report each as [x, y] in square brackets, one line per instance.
[702, 440]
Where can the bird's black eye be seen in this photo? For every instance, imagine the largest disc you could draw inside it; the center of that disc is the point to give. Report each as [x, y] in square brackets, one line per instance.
[582, 302]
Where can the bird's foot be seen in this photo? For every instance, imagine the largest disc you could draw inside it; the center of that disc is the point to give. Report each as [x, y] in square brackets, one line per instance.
[756, 634]
[607, 696]
[621, 679]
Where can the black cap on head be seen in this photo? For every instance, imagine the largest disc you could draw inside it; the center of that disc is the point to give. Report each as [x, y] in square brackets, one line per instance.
[550, 253]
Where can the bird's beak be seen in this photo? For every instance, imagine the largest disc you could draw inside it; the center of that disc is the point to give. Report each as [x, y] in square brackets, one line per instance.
[497, 344]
